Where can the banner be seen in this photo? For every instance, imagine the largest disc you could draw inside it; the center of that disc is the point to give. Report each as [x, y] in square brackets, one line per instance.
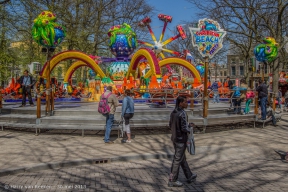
[208, 37]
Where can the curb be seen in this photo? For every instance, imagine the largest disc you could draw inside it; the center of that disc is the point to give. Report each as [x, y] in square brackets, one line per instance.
[55, 165]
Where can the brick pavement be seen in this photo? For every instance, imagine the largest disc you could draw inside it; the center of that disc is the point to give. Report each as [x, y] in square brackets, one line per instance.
[234, 160]
[152, 175]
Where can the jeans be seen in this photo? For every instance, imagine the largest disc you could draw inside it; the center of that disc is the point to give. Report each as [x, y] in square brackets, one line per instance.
[237, 105]
[247, 108]
[179, 159]
[216, 97]
[263, 102]
[127, 117]
[26, 91]
[109, 123]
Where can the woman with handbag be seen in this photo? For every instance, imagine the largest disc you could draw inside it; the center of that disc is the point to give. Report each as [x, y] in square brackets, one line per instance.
[127, 113]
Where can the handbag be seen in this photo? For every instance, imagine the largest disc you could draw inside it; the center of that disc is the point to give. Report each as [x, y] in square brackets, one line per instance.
[190, 142]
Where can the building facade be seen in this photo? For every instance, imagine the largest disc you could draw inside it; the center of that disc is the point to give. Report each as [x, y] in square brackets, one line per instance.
[218, 72]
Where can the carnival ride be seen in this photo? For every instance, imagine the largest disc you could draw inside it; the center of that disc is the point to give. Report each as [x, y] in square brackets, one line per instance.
[124, 72]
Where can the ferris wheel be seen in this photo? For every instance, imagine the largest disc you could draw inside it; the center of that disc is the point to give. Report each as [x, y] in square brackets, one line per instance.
[159, 46]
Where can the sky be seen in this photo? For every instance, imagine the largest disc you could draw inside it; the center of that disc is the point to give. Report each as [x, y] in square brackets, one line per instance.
[180, 10]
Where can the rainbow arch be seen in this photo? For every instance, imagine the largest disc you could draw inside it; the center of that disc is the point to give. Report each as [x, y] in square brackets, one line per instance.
[177, 61]
[155, 65]
[56, 59]
[72, 69]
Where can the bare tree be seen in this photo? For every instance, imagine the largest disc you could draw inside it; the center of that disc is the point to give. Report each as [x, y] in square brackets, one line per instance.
[87, 23]
[251, 20]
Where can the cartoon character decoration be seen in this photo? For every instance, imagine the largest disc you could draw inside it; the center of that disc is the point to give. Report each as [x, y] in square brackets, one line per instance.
[268, 51]
[46, 31]
[200, 68]
[208, 37]
[122, 41]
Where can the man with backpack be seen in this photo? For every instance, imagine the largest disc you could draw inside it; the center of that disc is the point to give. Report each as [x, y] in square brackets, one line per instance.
[107, 107]
[236, 99]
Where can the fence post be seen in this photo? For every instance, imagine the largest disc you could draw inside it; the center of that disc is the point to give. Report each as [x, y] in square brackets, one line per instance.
[52, 99]
[192, 99]
[274, 102]
[165, 98]
[0, 100]
[256, 104]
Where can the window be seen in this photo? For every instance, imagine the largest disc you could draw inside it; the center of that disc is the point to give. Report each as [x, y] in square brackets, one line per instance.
[233, 70]
[241, 70]
[225, 74]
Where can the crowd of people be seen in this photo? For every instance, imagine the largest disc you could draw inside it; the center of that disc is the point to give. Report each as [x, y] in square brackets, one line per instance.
[243, 93]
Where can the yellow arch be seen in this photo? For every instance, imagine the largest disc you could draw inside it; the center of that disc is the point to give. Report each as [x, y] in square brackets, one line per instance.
[177, 61]
[72, 55]
[149, 55]
[73, 68]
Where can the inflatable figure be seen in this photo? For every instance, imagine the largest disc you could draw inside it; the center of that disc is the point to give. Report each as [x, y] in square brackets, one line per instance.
[122, 40]
[46, 31]
[268, 51]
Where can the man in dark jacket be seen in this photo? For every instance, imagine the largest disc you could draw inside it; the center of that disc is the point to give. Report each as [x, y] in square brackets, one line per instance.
[262, 95]
[179, 126]
[27, 83]
[229, 82]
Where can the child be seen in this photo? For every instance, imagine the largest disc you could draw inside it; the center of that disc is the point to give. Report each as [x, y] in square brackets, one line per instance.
[249, 96]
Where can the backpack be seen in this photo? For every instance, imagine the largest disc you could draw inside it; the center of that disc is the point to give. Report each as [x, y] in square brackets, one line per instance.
[103, 106]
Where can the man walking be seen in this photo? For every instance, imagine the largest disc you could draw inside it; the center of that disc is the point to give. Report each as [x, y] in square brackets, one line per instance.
[262, 95]
[27, 83]
[229, 83]
[113, 103]
[179, 126]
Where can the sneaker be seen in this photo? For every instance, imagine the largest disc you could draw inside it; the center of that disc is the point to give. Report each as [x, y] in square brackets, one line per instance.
[32, 105]
[127, 141]
[109, 142]
[175, 184]
[192, 178]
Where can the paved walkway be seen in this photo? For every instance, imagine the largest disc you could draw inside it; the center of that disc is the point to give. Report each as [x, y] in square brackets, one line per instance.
[234, 160]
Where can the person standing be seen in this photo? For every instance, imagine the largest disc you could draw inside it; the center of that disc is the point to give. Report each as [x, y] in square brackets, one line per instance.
[236, 99]
[249, 97]
[179, 126]
[127, 113]
[113, 103]
[286, 99]
[229, 83]
[262, 95]
[26, 81]
[243, 91]
[215, 91]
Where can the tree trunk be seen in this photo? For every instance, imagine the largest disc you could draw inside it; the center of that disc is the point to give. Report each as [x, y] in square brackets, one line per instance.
[275, 83]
